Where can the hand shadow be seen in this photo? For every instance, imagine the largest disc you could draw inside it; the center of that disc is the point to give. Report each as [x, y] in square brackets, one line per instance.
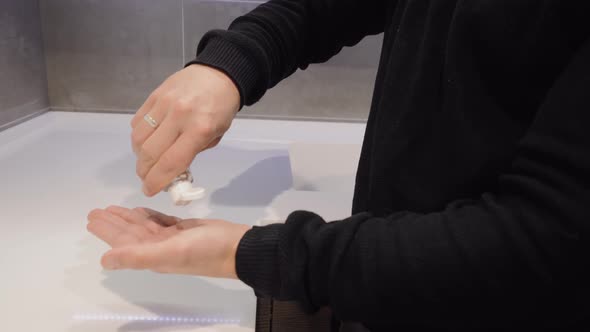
[163, 295]
[258, 186]
[267, 174]
[258, 176]
[191, 297]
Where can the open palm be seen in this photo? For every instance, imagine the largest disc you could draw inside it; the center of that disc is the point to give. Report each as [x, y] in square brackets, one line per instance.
[142, 238]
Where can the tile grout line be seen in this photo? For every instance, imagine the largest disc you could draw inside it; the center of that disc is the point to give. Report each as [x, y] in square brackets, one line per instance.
[23, 119]
[182, 23]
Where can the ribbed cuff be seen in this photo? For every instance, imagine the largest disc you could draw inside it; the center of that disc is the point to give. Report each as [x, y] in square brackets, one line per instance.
[257, 259]
[224, 55]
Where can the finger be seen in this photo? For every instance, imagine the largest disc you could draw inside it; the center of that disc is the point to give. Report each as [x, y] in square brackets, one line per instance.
[140, 233]
[158, 217]
[155, 146]
[154, 256]
[141, 211]
[134, 217]
[172, 163]
[189, 223]
[110, 231]
[147, 105]
[143, 130]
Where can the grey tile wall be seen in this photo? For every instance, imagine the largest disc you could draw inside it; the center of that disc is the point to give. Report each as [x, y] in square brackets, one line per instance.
[340, 89]
[23, 86]
[110, 54]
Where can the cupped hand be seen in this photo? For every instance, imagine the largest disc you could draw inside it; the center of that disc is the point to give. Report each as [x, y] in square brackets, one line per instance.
[144, 239]
[193, 109]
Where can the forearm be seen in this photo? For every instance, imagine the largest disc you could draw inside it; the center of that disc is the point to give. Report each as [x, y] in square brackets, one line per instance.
[479, 265]
[515, 256]
[268, 44]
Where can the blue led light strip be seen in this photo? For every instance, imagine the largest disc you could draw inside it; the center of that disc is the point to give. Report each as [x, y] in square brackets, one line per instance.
[158, 319]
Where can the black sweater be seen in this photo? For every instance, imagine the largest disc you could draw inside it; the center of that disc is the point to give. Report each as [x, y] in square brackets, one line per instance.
[472, 202]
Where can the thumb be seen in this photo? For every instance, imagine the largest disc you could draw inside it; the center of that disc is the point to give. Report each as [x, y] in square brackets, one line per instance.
[153, 256]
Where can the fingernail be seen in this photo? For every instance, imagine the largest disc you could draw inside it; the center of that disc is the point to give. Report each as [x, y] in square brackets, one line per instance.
[111, 263]
[145, 190]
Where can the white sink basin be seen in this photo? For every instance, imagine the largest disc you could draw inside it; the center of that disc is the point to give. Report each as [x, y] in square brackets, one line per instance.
[324, 167]
[59, 166]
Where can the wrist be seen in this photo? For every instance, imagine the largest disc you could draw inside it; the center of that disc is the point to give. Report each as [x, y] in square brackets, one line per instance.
[243, 63]
[230, 265]
[222, 81]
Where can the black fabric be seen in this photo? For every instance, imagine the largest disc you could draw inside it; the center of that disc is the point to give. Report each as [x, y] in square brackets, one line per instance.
[472, 202]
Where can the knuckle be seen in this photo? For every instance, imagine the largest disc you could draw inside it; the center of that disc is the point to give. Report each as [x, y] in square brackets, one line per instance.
[146, 156]
[90, 227]
[148, 188]
[155, 95]
[223, 127]
[180, 110]
[151, 228]
[140, 170]
[136, 138]
[123, 212]
[168, 98]
[139, 210]
[215, 143]
[182, 107]
[206, 129]
[93, 214]
[170, 163]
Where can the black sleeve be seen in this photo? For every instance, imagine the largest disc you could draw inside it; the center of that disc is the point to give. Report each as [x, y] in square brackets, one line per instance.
[268, 44]
[516, 255]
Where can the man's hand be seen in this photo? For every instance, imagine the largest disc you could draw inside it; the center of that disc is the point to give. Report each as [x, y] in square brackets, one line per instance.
[193, 109]
[143, 239]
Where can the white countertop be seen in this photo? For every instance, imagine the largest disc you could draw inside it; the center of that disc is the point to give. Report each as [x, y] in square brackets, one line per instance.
[55, 168]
